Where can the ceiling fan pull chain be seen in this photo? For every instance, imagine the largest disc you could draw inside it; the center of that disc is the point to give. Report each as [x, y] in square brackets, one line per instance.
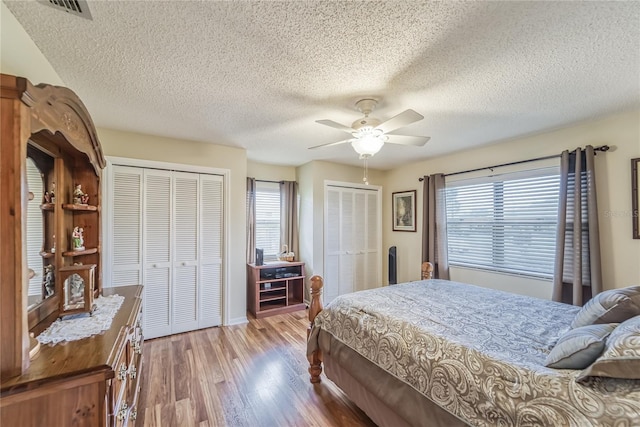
[366, 171]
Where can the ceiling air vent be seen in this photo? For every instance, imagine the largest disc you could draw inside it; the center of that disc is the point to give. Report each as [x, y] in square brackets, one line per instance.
[74, 7]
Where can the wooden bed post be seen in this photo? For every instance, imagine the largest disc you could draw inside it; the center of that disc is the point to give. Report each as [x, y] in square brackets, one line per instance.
[427, 270]
[315, 307]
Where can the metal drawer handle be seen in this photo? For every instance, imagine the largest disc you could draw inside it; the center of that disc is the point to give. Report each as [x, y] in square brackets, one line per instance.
[137, 348]
[122, 373]
[132, 373]
[122, 414]
[133, 414]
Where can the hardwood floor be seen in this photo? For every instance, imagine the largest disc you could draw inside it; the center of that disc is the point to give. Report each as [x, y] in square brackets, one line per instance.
[245, 375]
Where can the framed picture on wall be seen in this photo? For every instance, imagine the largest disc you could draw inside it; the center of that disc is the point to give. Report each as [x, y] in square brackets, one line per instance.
[404, 210]
[635, 197]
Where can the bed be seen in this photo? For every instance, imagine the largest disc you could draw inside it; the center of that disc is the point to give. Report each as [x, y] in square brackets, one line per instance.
[441, 353]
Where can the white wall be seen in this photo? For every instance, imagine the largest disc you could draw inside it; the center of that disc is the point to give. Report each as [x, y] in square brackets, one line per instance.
[620, 253]
[141, 146]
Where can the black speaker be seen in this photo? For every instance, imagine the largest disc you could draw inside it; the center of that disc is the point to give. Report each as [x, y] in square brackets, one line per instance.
[393, 266]
[259, 256]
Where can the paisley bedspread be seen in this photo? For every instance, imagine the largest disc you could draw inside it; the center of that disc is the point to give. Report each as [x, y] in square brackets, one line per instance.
[478, 353]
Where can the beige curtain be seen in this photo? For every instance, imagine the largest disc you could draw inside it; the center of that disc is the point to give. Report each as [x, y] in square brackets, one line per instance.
[289, 216]
[577, 272]
[434, 225]
[251, 220]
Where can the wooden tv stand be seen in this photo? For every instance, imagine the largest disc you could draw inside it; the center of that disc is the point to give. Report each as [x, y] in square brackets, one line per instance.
[275, 288]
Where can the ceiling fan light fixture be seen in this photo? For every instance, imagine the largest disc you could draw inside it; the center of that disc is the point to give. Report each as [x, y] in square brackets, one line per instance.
[369, 134]
[368, 145]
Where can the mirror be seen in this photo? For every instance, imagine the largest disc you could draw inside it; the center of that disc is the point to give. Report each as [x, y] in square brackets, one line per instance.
[35, 234]
[40, 226]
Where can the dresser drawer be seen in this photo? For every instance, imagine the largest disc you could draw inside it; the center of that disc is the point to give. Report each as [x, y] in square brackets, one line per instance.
[119, 384]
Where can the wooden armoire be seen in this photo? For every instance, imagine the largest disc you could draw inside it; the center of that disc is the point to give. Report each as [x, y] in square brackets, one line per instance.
[49, 145]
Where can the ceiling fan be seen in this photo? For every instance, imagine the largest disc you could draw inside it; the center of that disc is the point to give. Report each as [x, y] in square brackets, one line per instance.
[369, 134]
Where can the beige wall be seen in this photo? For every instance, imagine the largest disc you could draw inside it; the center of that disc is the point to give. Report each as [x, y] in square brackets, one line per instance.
[270, 172]
[147, 147]
[311, 180]
[620, 253]
[19, 55]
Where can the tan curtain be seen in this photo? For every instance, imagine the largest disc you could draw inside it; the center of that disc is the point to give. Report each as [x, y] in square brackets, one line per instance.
[251, 220]
[434, 225]
[577, 270]
[289, 216]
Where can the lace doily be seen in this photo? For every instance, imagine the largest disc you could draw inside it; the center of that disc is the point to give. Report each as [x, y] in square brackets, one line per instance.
[78, 327]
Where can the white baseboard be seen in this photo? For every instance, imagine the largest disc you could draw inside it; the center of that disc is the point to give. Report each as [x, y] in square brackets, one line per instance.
[237, 321]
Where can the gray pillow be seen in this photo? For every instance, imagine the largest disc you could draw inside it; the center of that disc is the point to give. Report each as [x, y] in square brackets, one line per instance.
[612, 306]
[621, 356]
[579, 347]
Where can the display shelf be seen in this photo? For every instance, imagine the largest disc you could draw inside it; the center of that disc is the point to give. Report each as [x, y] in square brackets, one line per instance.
[47, 254]
[80, 253]
[47, 206]
[79, 208]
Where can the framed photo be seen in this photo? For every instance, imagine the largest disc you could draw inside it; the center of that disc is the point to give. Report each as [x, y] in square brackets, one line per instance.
[635, 197]
[404, 211]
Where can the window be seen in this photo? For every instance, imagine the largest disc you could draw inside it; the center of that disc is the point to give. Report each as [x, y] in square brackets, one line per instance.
[268, 218]
[504, 223]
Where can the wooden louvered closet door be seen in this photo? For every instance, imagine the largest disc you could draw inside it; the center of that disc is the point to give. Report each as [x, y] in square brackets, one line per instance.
[167, 230]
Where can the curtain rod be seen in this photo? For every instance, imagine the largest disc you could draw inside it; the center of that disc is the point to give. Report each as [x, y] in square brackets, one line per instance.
[266, 180]
[602, 148]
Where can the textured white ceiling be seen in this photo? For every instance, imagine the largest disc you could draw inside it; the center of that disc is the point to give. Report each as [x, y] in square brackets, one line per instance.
[258, 74]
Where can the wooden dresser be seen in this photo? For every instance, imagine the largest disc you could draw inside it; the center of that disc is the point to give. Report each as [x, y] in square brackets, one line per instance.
[90, 382]
[50, 265]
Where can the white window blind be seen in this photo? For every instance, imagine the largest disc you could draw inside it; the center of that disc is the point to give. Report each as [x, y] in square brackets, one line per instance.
[268, 219]
[504, 223]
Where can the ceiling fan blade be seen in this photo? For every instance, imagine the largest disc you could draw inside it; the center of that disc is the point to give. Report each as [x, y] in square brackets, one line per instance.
[417, 141]
[330, 144]
[335, 125]
[403, 119]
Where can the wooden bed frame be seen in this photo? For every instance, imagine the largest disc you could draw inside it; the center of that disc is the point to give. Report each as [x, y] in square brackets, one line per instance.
[315, 307]
[391, 402]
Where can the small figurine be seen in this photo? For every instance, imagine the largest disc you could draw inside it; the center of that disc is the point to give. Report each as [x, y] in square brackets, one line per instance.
[79, 197]
[49, 282]
[52, 193]
[77, 239]
[53, 248]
